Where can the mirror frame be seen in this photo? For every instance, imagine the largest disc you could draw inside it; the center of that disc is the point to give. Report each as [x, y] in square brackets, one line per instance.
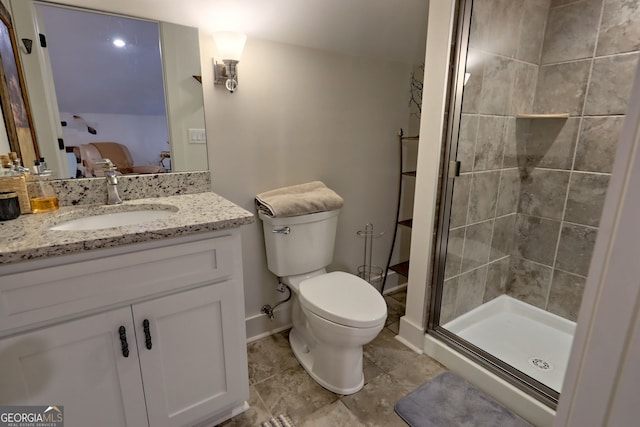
[19, 100]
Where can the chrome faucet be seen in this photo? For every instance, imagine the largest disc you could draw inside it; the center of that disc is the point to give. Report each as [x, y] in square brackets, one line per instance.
[113, 198]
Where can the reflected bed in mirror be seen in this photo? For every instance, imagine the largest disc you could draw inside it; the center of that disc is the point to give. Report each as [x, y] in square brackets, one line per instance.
[124, 83]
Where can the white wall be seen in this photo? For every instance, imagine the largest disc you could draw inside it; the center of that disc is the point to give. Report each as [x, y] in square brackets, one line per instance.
[144, 136]
[301, 115]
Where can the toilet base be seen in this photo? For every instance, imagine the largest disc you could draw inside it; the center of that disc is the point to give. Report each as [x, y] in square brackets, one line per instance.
[306, 356]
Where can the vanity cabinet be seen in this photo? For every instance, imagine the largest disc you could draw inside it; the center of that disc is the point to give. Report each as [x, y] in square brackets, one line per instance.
[194, 365]
[147, 337]
[78, 364]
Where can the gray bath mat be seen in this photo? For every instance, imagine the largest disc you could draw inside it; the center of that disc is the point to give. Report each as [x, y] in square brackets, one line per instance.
[279, 421]
[448, 400]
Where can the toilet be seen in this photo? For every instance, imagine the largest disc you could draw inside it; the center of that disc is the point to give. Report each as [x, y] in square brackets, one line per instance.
[334, 314]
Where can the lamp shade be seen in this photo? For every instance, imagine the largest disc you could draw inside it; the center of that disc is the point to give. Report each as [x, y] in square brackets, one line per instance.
[229, 44]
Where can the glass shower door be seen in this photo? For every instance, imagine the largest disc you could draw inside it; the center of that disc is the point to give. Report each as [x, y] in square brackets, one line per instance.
[539, 96]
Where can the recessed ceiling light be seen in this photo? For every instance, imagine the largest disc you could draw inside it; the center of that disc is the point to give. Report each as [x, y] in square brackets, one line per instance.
[119, 43]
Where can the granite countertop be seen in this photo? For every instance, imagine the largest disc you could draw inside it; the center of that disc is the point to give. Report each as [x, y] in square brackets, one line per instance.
[28, 237]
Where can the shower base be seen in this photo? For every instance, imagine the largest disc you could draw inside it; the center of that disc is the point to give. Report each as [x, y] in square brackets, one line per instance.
[530, 339]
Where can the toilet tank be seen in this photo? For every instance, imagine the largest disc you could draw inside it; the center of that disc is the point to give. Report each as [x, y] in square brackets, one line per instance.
[299, 244]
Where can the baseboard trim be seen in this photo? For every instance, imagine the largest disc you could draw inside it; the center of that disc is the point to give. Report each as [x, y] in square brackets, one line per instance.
[400, 287]
[411, 334]
[259, 326]
[226, 415]
[408, 344]
[392, 283]
[269, 333]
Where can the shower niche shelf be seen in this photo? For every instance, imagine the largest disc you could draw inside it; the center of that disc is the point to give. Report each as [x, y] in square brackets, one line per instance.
[543, 116]
[402, 268]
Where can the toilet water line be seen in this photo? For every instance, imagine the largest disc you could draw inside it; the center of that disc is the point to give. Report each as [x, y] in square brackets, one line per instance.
[267, 309]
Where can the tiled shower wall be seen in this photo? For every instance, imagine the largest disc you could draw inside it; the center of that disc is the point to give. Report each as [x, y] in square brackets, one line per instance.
[504, 49]
[527, 205]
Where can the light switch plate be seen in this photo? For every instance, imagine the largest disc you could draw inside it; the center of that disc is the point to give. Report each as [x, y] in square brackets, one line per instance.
[197, 136]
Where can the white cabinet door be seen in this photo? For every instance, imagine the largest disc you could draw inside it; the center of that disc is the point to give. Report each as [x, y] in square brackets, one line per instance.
[197, 363]
[79, 365]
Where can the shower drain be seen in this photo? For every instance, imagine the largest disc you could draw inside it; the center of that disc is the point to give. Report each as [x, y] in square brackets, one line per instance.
[540, 364]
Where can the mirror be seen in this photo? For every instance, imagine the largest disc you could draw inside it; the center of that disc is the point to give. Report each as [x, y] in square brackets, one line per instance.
[126, 81]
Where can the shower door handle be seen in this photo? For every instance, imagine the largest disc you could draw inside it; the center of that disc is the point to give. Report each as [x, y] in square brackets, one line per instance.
[454, 169]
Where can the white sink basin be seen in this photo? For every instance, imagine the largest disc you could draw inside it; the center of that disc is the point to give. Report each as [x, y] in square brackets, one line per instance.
[110, 220]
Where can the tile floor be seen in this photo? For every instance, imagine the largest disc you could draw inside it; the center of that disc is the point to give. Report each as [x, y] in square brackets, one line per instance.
[279, 385]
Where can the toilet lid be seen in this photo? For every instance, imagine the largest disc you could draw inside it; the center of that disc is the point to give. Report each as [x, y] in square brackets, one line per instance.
[344, 299]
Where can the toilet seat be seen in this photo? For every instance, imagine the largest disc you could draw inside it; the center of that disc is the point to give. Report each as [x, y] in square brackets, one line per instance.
[344, 299]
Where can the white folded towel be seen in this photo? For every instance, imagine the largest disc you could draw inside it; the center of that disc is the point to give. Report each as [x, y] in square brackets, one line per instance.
[298, 200]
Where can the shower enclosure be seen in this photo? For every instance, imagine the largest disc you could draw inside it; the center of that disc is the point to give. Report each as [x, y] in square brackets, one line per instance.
[538, 94]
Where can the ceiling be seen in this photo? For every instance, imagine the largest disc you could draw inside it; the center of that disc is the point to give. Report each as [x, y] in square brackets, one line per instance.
[385, 29]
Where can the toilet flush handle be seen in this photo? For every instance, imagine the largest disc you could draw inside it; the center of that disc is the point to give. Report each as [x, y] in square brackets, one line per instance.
[282, 230]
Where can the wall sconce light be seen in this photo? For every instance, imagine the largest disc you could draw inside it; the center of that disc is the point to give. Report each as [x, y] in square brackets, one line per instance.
[230, 46]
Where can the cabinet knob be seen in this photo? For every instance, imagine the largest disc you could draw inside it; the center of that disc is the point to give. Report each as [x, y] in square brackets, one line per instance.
[123, 341]
[147, 333]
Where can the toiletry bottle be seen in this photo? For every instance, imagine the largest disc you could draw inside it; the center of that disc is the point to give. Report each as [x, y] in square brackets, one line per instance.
[42, 196]
[17, 163]
[5, 165]
[37, 168]
[13, 156]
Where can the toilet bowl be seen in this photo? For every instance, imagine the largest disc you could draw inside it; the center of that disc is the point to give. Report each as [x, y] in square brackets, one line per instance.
[335, 314]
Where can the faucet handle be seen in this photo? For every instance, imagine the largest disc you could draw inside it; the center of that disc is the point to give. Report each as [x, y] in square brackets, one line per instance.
[106, 164]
